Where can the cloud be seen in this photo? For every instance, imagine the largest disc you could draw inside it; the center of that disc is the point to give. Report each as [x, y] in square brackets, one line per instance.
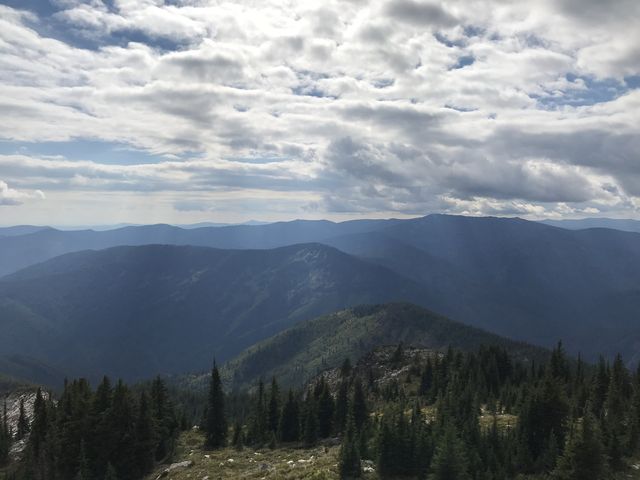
[10, 196]
[357, 107]
[420, 13]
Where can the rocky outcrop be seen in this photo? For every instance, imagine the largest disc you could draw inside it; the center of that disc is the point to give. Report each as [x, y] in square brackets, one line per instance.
[173, 467]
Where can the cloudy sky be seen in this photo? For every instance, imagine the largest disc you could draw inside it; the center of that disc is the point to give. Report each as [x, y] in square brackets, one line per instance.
[191, 110]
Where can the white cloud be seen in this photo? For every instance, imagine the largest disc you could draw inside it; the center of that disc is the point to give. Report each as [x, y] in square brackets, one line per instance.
[10, 196]
[359, 102]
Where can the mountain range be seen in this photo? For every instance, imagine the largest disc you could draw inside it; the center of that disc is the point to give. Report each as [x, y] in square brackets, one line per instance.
[131, 312]
[142, 309]
[626, 225]
[20, 251]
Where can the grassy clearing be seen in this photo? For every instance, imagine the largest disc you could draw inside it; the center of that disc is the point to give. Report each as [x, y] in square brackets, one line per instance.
[318, 463]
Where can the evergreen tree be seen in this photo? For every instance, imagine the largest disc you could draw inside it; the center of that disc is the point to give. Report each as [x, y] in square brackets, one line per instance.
[83, 464]
[63, 430]
[23, 422]
[146, 439]
[349, 463]
[426, 380]
[634, 416]
[72, 418]
[215, 422]
[584, 455]
[164, 418]
[558, 364]
[599, 388]
[259, 422]
[122, 421]
[387, 459]
[450, 460]
[325, 412]
[274, 407]
[358, 407]
[40, 425]
[100, 444]
[290, 420]
[310, 435]
[544, 412]
[341, 406]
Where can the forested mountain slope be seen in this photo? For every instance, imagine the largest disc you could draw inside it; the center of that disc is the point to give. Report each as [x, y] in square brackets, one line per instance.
[520, 279]
[302, 351]
[137, 311]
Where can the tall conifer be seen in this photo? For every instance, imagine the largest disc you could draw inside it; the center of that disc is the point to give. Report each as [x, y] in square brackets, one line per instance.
[215, 422]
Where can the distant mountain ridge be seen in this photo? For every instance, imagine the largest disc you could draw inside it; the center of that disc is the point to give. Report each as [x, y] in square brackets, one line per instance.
[626, 225]
[18, 230]
[519, 279]
[18, 252]
[133, 312]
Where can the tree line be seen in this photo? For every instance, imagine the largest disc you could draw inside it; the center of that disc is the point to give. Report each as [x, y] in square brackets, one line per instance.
[112, 433]
[443, 416]
[469, 416]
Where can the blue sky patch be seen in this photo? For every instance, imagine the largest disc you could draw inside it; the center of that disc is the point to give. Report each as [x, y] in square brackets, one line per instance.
[94, 150]
[52, 26]
[596, 91]
[464, 61]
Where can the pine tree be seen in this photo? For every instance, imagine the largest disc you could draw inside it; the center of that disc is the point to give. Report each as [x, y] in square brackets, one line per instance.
[544, 412]
[325, 412]
[100, 444]
[310, 435]
[341, 406]
[274, 407]
[349, 463]
[599, 388]
[40, 425]
[290, 420]
[426, 380]
[23, 422]
[450, 460]
[122, 421]
[584, 455]
[558, 364]
[164, 418]
[215, 422]
[83, 464]
[387, 459]
[634, 416]
[358, 407]
[259, 422]
[146, 439]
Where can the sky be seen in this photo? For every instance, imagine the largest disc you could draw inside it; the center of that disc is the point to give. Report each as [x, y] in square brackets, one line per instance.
[179, 111]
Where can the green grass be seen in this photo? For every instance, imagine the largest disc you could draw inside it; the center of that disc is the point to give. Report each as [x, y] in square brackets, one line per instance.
[286, 463]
